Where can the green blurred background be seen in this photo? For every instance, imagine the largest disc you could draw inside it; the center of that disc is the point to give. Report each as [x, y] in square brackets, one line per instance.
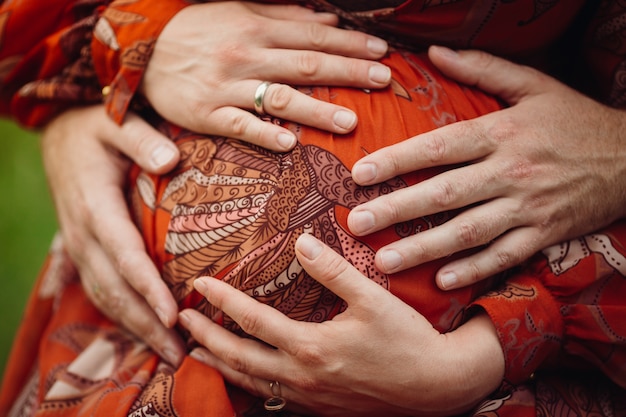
[27, 224]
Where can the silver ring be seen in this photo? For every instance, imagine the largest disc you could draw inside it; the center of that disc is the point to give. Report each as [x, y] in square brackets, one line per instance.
[276, 402]
[259, 95]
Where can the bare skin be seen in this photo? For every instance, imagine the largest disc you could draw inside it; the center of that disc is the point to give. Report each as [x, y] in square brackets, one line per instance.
[93, 216]
[550, 167]
[203, 77]
[349, 377]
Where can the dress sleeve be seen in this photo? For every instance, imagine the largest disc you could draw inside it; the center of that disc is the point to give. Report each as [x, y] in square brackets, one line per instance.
[566, 308]
[123, 41]
[56, 54]
[45, 59]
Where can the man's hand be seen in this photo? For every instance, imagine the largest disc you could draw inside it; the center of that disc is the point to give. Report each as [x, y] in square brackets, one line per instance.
[549, 168]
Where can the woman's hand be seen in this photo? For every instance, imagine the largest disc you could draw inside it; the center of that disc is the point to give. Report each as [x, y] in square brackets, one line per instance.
[549, 168]
[210, 59]
[86, 178]
[379, 357]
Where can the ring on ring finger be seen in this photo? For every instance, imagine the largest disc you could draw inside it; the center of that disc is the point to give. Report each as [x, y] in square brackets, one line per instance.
[276, 402]
[259, 96]
[95, 289]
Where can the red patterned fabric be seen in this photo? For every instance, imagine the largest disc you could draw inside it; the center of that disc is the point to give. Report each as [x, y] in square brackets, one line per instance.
[233, 211]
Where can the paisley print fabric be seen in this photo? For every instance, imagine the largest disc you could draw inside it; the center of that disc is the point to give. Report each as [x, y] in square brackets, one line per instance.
[233, 211]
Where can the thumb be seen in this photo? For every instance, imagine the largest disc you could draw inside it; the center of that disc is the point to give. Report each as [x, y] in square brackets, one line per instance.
[499, 77]
[146, 146]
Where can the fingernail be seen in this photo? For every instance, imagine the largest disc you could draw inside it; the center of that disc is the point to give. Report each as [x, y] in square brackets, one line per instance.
[448, 280]
[442, 50]
[390, 259]
[286, 141]
[162, 155]
[379, 74]
[162, 316]
[376, 46]
[197, 355]
[184, 318]
[200, 285]
[170, 356]
[325, 14]
[344, 119]
[310, 247]
[363, 173]
[361, 221]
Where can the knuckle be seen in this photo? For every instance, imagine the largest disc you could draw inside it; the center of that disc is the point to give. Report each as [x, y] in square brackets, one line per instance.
[251, 322]
[75, 243]
[309, 64]
[443, 194]
[504, 130]
[355, 70]
[392, 211]
[468, 234]
[310, 384]
[235, 360]
[231, 54]
[316, 34]
[519, 170]
[435, 148]
[279, 97]
[332, 269]
[237, 124]
[504, 259]
[419, 251]
[113, 302]
[474, 273]
[311, 354]
[200, 110]
[253, 25]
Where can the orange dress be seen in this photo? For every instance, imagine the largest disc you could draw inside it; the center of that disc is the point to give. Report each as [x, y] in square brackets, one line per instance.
[233, 211]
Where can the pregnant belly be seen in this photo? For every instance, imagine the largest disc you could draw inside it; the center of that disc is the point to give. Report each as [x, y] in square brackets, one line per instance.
[233, 211]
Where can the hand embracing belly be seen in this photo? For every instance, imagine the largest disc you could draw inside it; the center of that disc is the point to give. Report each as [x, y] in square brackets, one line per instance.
[233, 211]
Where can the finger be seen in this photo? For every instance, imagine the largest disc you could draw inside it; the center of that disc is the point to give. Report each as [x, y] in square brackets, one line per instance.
[294, 13]
[335, 272]
[285, 102]
[240, 379]
[122, 305]
[470, 229]
[236, 123]
[241, 355]
[452, 144]
[143, 144]
[449, 190]
[321, 37]
[280, 101]
[252, 384]
[126, 251]
[509, 250]
[318, 68]
[494, 75]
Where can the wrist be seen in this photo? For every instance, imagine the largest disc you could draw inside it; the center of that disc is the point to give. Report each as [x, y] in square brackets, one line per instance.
[121, 47]
[481, 363]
